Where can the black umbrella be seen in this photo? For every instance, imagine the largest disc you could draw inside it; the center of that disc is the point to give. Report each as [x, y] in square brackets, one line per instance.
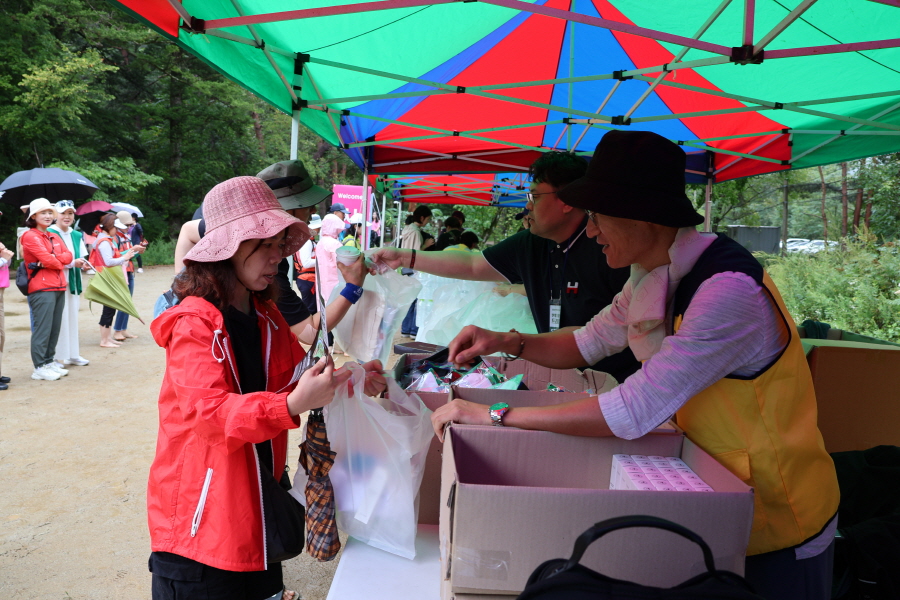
[53, 184]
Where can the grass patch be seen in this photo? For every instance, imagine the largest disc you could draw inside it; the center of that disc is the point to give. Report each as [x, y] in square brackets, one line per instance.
[160, 252]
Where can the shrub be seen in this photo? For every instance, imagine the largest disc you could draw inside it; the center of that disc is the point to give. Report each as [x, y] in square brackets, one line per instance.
[160, 252]
[853, 287]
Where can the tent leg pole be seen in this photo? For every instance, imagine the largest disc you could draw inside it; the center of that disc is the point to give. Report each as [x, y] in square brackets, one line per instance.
[295, 133]
[383, 218]
[707, 222]
[364, 209]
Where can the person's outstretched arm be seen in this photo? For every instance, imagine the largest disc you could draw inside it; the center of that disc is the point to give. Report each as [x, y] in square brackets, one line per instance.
[456, 265]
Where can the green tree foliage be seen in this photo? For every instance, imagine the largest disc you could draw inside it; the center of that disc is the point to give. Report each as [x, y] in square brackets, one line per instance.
[84, 87]
[854, 288]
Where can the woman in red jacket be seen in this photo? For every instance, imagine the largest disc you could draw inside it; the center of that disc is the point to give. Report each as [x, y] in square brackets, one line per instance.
[229, 395]
[46, 257]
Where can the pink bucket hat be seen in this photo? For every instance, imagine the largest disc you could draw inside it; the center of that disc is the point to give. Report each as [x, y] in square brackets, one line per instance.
[239, 209]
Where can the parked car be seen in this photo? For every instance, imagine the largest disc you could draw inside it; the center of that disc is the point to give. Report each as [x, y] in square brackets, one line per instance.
[813, 246]
[793, 243]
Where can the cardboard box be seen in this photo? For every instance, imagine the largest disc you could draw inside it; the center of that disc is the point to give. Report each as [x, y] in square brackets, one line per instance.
[511, 499]
[858, 393]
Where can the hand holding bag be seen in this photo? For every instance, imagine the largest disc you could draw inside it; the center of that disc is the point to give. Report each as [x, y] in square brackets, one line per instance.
[381, 446]
[565, 579]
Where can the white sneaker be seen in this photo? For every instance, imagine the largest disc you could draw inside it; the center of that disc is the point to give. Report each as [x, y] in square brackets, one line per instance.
[140, 270]
[57, 368]
[46, 373]
[77, 361]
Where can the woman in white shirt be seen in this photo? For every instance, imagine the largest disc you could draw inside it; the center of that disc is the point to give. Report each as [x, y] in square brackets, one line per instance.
[67, 352]
[411, 238]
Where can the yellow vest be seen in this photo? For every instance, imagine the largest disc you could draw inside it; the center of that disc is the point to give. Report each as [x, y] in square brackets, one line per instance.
[764, 430]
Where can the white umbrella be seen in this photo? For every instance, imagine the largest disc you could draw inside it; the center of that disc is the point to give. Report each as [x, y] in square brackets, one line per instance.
[131, 208]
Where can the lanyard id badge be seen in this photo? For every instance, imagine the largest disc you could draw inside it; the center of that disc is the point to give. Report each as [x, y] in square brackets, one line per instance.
[555, 311]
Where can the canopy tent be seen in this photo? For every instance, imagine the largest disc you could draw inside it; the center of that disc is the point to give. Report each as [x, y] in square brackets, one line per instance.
[493, 189]
[440, 86]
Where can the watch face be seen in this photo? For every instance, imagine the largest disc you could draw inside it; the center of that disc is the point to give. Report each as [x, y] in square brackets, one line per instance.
[499, 405]
[497, 411]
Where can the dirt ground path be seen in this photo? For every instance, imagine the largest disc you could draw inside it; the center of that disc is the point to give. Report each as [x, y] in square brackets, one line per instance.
[74, 457]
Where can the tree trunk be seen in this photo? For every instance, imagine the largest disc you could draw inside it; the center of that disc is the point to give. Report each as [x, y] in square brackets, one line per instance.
[868, 217]
[257, 128]
[844, 204]
[824, 214]
[857, 210]
[490, 228]
[784, 216]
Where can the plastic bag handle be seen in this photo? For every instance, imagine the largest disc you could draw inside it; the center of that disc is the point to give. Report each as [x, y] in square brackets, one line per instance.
[603, 527]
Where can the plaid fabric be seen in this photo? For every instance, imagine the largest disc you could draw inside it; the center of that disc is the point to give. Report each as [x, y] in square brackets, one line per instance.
[316, 456]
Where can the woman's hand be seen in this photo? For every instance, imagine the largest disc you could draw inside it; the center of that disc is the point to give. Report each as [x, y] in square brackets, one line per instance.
[375, 381]
[316, 387]
[355, 273]
[459, 411]
[129, 254]
[79, 263]
[428, 243]
[6, 253]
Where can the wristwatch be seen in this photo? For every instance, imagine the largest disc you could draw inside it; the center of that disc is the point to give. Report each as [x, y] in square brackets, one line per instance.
[497, 411]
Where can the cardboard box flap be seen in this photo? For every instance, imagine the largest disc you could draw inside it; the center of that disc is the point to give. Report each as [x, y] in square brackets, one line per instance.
[522, 459]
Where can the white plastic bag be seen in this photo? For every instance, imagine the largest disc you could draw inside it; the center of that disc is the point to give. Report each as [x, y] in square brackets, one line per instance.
[381, 446]
[464, 303]
[368, 328]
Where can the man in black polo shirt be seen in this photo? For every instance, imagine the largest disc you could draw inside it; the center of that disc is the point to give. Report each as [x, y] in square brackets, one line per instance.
[564, 272]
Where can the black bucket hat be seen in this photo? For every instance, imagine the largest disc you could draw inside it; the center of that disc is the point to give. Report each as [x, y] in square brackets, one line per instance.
[292, 185]
[635, 175]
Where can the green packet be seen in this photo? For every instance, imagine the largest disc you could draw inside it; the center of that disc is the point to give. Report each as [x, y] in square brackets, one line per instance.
[511, 384]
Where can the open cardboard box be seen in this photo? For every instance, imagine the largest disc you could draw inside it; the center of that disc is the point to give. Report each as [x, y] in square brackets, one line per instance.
[511, 499]
[535, 377]
[858, 393]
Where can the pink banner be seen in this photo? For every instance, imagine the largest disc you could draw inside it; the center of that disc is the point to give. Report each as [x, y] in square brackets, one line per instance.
[351, 197]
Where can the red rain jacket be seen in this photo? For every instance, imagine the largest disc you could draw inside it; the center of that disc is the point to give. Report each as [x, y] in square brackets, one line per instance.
[48, 249]
[204, 498]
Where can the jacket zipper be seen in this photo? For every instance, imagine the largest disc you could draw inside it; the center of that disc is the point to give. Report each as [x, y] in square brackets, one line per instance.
[262, 506]
[198, 514]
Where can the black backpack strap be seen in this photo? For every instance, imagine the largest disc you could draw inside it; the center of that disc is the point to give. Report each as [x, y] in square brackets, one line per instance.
[602, 528]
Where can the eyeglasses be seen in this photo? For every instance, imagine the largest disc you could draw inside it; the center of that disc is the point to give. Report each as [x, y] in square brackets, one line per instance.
[533, 198]
[590, 215]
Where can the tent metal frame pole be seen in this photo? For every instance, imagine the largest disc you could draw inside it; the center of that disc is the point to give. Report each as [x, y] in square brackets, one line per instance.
[444, 131]
[325, 11]
[749, 17]
[565, 15]
[603, 104]
[382, 221]
[842, 132]
[337, 130]
[517, 5]
[678, 57]
[571, 24]
[177, 7]
[889, 109]
[751, 153]
[295, 133]
[371, 97]
[443, 156]
[364, 208]
[445, 195]
[733, 153]
[455, 134]
[833, 49]
[784, 24]
[772, 105]
[248, 42]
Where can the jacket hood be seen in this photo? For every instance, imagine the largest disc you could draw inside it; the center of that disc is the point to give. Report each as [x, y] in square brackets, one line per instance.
[162, 326]
[332, 226]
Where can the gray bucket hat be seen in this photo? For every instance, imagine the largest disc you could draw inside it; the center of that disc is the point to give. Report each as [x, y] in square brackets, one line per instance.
[292, 185]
